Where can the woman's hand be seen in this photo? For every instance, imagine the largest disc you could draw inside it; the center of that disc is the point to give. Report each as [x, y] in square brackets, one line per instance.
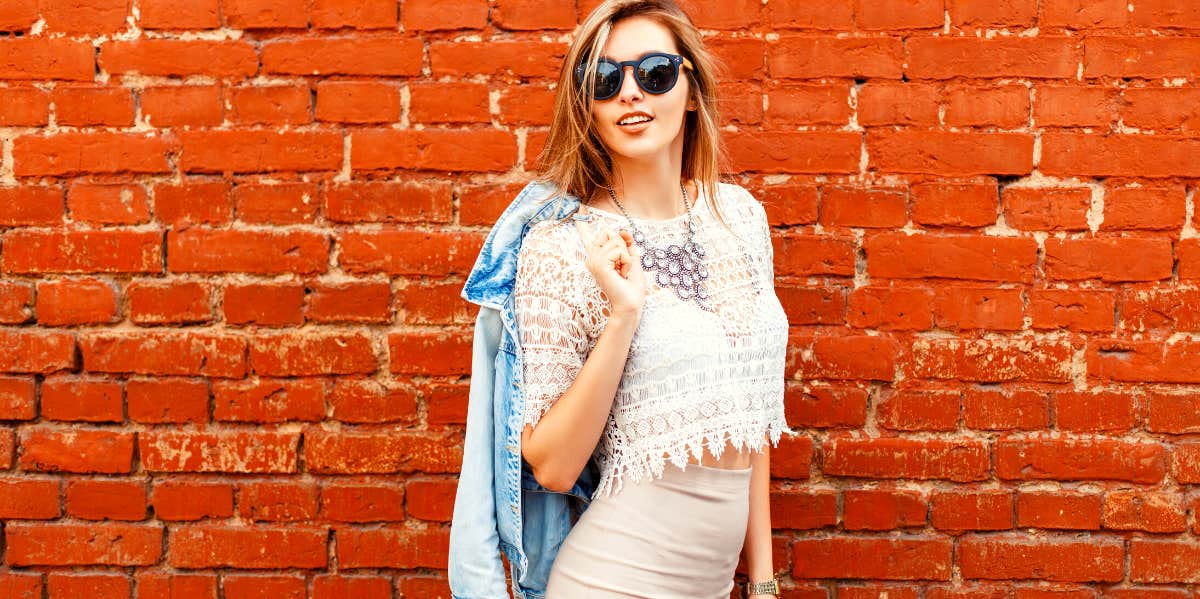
[616, 263]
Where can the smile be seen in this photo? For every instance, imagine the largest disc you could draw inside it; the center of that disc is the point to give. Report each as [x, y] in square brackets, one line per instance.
[635, 119]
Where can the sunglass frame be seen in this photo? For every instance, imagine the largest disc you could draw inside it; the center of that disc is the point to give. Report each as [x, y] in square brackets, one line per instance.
[677, 62]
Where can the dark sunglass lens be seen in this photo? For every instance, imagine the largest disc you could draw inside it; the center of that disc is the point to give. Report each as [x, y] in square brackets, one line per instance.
[608, 79]
[657, 74]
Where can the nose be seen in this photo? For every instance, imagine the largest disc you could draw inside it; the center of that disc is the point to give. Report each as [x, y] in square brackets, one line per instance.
[630, 90]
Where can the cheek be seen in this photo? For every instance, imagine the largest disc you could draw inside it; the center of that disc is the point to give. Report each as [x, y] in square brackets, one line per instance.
[675, 110]
[675, 101]
[603, 123]
[601, 115]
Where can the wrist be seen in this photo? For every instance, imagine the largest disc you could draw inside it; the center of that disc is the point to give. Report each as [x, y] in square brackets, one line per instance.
[627, 318]
[768, 587]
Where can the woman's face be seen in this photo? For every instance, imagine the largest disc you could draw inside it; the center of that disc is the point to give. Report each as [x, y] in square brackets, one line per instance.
[631, 39]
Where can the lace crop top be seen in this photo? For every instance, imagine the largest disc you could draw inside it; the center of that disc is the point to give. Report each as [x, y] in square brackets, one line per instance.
[692, 378]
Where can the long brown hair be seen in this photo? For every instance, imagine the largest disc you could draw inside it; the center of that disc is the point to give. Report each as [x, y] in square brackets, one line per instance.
[574, 158]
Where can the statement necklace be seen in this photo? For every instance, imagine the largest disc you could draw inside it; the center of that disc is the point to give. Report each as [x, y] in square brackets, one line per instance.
[679, 267]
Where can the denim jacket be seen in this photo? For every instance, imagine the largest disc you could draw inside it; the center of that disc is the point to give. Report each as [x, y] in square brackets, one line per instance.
[499, 507]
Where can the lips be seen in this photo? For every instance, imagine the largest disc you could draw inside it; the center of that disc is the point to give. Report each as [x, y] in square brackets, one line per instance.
[633, 119]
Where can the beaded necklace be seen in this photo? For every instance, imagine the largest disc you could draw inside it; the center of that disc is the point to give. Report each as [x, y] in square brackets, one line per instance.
[679, 267]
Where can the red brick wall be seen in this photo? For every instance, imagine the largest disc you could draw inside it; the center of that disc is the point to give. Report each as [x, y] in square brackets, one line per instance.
[232, 237]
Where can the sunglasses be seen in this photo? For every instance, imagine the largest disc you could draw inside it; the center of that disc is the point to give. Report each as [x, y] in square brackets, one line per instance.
[655, 73]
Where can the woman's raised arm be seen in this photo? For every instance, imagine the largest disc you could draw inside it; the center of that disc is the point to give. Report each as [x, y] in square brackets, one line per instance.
[568, 399]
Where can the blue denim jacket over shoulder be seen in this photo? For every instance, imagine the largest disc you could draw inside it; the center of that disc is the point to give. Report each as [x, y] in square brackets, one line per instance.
[499, 508]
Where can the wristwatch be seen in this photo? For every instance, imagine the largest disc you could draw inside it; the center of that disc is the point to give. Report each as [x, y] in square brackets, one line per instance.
[770, 587]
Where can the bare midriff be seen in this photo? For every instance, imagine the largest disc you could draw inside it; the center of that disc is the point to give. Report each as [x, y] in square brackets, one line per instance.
[731, 459]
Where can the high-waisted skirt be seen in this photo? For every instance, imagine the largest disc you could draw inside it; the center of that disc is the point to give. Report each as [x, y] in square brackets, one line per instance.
[675, 537]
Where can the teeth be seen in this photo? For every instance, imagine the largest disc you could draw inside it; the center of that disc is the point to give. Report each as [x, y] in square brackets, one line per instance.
[634, 119]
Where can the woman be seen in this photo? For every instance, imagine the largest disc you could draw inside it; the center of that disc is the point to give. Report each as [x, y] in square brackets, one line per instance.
[653, 341]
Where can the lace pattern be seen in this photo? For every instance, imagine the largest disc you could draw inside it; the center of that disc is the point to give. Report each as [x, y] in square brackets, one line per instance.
[693, 379]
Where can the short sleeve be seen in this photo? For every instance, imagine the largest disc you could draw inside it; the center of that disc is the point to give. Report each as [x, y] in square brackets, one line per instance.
[547, 305]
[762, 230]
[769, 247]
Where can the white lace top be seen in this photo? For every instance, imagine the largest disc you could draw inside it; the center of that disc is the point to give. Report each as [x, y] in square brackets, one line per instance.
[692, 378]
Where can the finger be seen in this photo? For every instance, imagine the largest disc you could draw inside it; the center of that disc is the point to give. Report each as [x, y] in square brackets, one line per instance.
[601, 237]
[620, 262]
[612, 243]
[618, 255]
[629, 250]
[603, 246]
[627, 237]
[614, 256]
[616, 243]
[629, 259]
[625, 264]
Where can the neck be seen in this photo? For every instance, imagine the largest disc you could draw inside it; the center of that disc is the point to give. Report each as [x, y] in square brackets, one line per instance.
[650, 189]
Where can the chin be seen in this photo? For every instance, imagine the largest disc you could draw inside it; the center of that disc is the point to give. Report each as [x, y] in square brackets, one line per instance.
[638, 152]
[638, 149]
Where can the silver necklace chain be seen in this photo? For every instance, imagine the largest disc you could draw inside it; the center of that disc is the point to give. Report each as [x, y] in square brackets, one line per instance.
[680, 267]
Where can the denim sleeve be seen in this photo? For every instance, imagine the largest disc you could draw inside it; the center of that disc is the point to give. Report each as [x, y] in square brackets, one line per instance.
[475, 569]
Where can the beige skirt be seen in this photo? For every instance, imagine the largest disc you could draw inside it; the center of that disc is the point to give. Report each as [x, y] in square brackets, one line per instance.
[675, 537]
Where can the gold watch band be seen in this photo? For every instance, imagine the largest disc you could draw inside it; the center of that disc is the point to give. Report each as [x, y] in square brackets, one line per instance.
[770, 587]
